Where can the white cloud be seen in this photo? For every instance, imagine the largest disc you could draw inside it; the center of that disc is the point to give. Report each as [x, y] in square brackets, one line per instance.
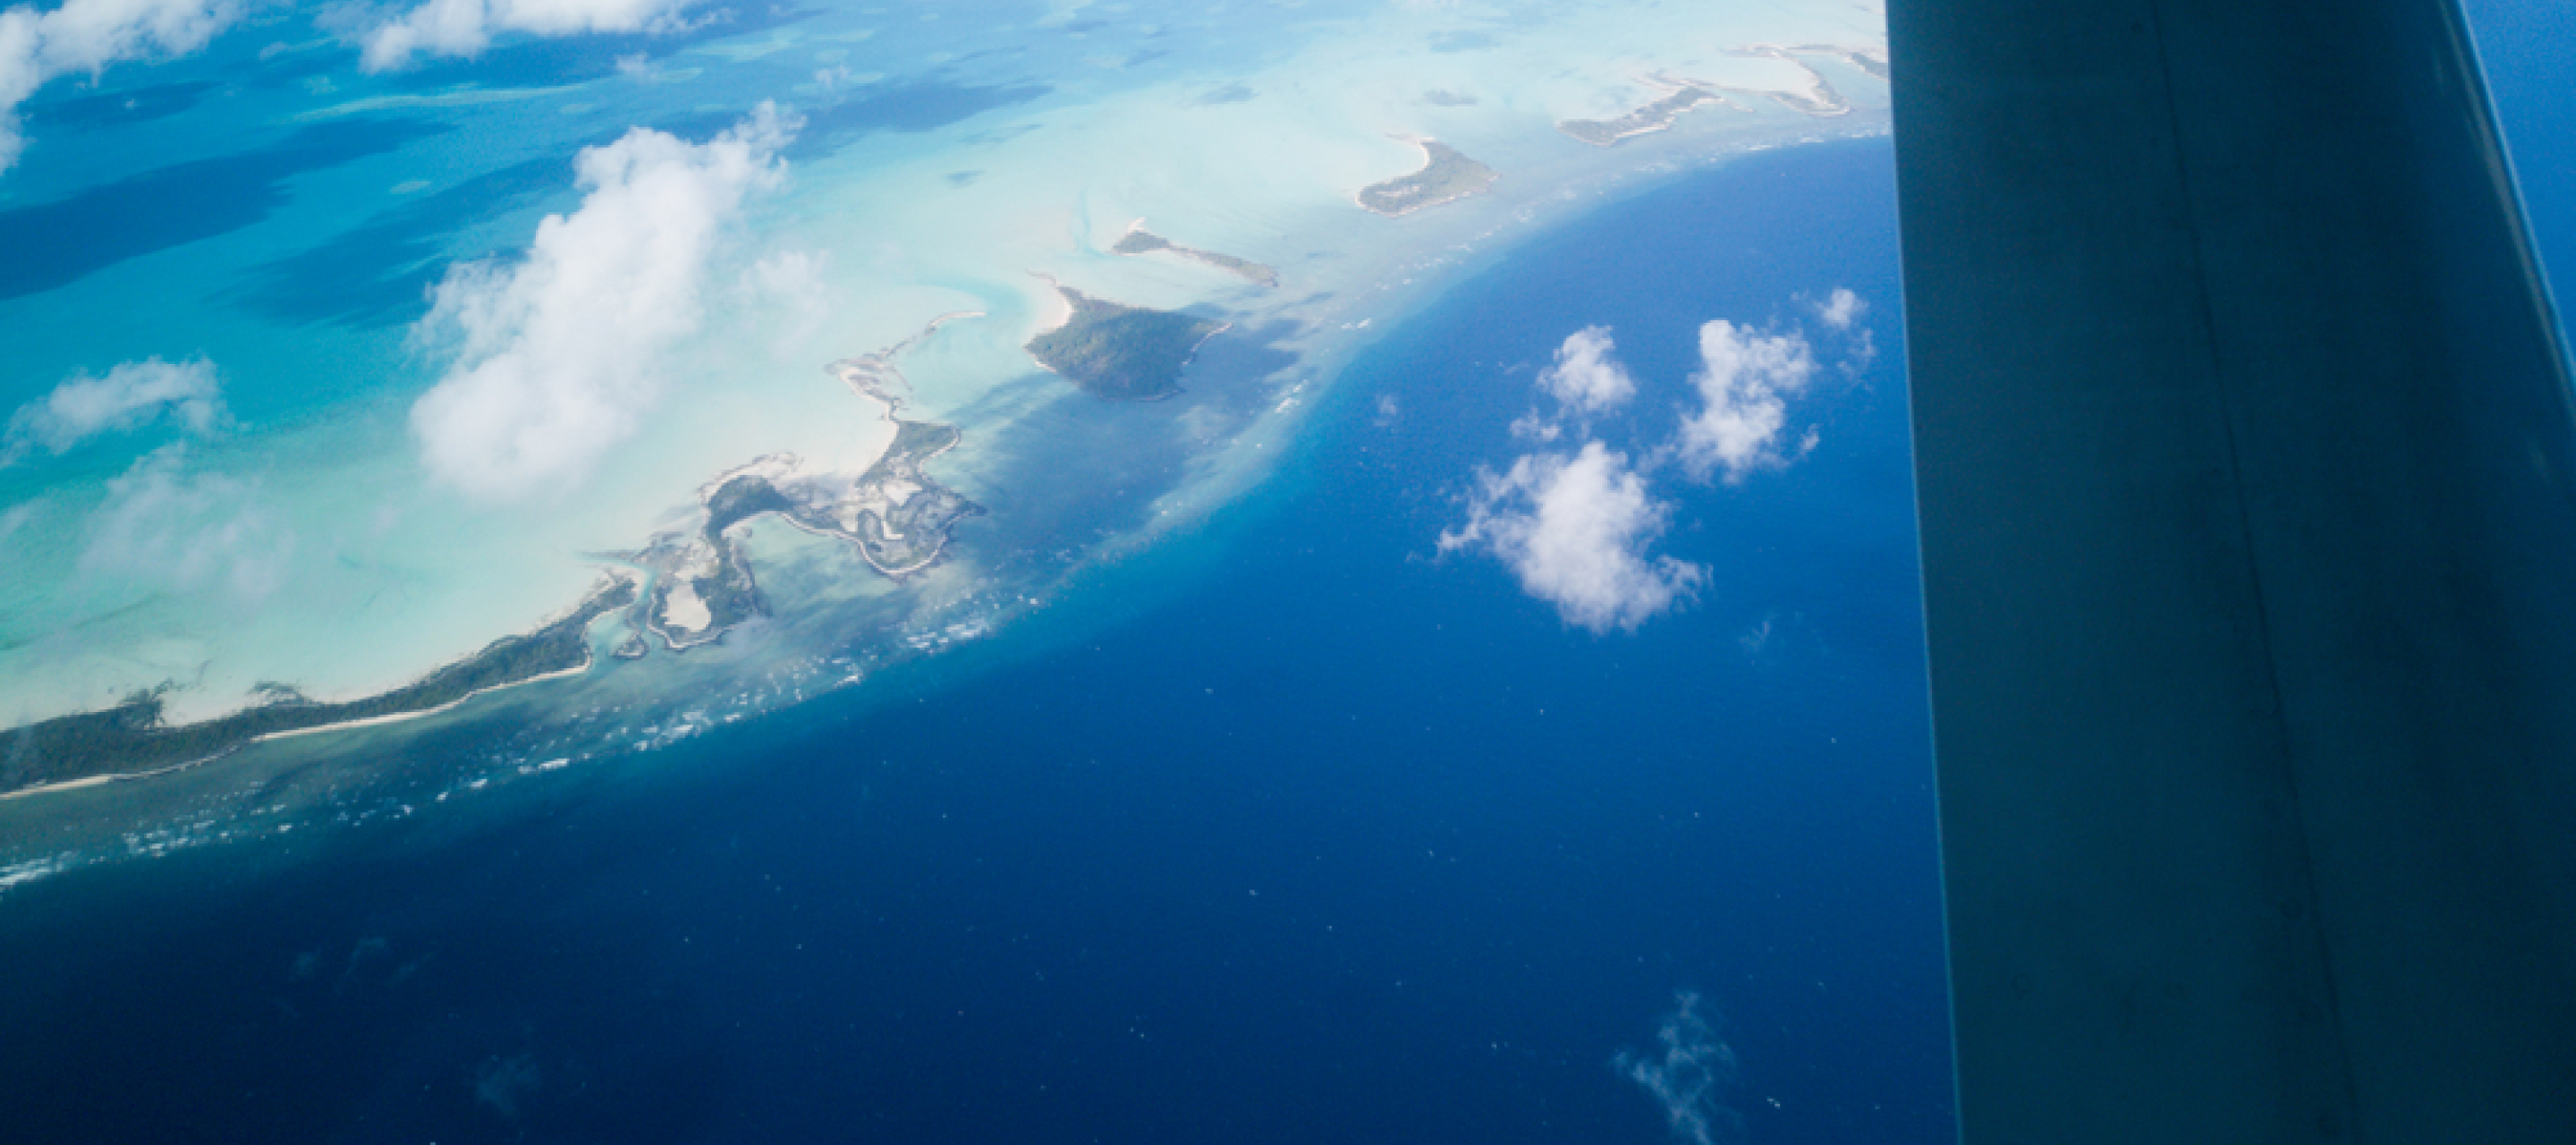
[1575, 527]
[85, 36]
[1757, 638]
[1532, 427]
[1586, 379]
[1575, 531]
[1841, 308]
[20, 76]
[19, 516]
[557, 354]
[131, 396]
[166, 526]
[788, 286]
[1689, 1076]
[466, 27]
[1744, 381]
[1841, 313]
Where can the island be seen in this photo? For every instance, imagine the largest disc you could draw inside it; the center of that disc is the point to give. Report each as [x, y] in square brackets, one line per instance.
[1446, 176]
[1655, 116]
[1820, 99]
[687, 588]
[893, 513]
[703, 583]
[1120, 353]
[1138, 240]
[131, 741]
[1872, 61]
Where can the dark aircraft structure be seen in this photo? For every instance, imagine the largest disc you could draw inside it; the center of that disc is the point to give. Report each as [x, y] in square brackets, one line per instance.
[2246, 462]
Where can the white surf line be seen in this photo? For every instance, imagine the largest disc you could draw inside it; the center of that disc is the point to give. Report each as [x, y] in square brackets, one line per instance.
[1416, 141]
[611, 571]
[73, 784]
[121, 776]
[587, 660]
[424, 713]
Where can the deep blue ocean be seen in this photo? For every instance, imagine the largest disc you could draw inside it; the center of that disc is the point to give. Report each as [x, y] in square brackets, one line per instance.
[1292, 830]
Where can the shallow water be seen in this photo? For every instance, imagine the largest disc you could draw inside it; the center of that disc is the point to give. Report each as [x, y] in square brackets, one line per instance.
[272, 209]
[1285, 829]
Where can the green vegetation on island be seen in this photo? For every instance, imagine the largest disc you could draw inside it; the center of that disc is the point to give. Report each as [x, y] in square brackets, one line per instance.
[1820, 99]
[1655, 116]
[1121, 353]
[894, 513]
[728, 592]
[908, 519]
[1446, 175]
[132, 738]
[741, 499]
[706, 586]
[1871, 61]
[1138, 240]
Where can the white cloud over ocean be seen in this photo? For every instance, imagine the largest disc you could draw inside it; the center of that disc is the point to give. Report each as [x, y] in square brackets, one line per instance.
[1575, 531]
[166, 525]
[1585, 378]
[132, 395]
[556, 355]
[1578, 528]
[83, 37]
[1841, 308]
[18, 516]
[1745, 381]
[789, 285]
[1688, 1076]
[466, 27]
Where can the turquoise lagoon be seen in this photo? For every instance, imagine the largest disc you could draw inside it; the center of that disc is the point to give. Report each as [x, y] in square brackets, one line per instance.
[476, 331]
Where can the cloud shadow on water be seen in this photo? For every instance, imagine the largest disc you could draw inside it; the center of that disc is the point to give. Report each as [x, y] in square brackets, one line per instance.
[114, 108]
[379, 273]
[55, 243]
[1079, 468]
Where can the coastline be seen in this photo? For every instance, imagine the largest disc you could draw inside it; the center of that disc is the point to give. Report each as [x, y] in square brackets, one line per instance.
[1027, 802]
[1324, 359]
[1658, 115]
[291, 733]
[92, 745]
[1138, 242]
[405, 717]
[1118, 352]
[812, 500]
[1445, 171]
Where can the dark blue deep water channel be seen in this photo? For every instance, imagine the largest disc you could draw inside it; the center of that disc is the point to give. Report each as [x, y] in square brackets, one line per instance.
[1306, 833]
